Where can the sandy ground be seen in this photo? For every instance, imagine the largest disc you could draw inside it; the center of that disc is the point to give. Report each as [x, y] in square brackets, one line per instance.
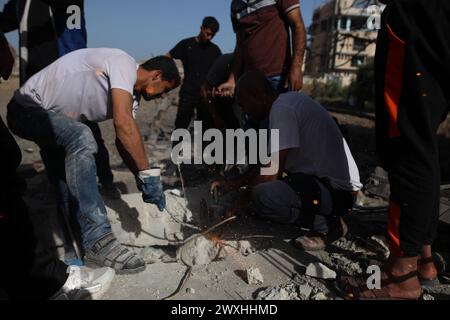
[271, 245]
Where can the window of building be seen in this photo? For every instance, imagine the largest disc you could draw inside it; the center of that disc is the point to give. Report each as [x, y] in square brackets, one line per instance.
[359, 44]
[357, 61]
[358, 23]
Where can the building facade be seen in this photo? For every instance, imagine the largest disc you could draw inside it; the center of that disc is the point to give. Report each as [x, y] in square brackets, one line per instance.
[342, 38]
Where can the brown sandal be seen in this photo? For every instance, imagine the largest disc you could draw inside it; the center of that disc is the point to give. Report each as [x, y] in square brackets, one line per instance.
[355, 288]
[428, 283]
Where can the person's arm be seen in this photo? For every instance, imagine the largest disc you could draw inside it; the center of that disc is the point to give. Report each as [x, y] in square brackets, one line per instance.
[6, 58]
[295, 21]
[9, 21]
[209, 103]
[128, 137]
[177, 52]
[253, 177]
[227, 89]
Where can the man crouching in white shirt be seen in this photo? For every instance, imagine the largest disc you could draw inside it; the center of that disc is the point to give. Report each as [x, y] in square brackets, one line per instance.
[94, 85]
[317, 177]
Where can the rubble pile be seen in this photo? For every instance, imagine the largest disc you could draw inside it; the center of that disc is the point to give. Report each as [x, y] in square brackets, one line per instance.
[301, 287]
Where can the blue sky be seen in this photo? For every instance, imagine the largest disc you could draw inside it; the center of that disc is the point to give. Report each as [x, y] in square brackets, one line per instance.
[151, 27]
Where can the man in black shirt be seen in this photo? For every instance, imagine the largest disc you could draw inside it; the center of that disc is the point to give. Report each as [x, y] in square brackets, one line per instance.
[197, 55]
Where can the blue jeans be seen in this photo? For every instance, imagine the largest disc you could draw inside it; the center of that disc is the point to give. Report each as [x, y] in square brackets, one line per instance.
[104, 172]
[278, 202]
[68, 148]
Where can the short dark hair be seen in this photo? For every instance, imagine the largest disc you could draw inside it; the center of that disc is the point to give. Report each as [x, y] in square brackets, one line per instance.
[211, 23]
[167, 66]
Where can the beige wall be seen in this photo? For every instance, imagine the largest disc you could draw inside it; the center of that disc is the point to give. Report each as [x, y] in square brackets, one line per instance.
[328, 57]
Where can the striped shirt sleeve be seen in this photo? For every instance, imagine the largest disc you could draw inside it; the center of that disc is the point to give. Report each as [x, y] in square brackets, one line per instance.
[288, 5]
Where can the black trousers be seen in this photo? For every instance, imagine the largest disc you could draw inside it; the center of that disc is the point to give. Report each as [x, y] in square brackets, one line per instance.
[412, 66]
[22, 274]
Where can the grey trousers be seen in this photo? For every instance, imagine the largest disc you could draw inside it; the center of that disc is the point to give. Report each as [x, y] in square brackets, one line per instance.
[278, 202]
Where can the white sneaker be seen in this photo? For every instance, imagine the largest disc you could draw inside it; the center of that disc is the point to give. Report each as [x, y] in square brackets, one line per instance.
[85, 284]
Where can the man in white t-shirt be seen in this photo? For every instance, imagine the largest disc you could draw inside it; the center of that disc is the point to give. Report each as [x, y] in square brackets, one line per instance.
[322, 176]
[94, 85]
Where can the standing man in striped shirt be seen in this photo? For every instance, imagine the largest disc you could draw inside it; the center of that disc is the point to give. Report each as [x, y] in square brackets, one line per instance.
[263, 42]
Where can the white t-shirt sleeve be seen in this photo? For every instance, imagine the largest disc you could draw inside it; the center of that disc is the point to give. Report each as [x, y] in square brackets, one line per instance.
[121, 70]
[284, 119]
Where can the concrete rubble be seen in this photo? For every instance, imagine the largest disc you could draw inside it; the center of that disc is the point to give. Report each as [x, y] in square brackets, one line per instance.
[283, 292]
[198, 250]
[139, 224]
[243, 247]
[318, 270]
[319, 296]
[254, 276]
[299, 288]
[379, 245]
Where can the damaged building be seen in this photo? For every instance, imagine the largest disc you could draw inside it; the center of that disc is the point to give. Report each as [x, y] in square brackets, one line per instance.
[342, 38]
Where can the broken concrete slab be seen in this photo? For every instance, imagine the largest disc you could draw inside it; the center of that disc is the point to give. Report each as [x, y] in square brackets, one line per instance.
[378, 184]
[320, 296]
[342, 262]
[254, 276]
[316, 285]
[138, 224]
[243, 247]
[282, 292]
[318, 270]
[288, 291]
[246, 248]
[428, 297]
[304, 291]
[379, 245]
[198, 250]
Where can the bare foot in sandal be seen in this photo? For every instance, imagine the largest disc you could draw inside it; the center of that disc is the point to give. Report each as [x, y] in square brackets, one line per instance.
[425, 265]
[428, 274]
[399, 281]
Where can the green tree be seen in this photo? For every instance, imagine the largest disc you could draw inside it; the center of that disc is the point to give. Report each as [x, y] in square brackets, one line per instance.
[363, 88]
